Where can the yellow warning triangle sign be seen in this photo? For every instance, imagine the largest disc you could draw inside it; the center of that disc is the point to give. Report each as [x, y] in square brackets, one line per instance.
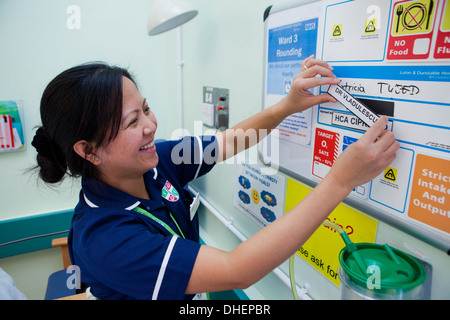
[390, 175]
[370, 27]
[337, 31]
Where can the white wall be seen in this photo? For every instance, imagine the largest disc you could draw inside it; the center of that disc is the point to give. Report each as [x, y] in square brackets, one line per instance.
[36, 45]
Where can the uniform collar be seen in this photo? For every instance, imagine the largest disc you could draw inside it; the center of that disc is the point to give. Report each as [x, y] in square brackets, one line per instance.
[96, 194]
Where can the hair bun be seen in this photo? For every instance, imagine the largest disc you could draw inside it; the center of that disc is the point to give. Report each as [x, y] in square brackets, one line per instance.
[41, 142]
[50, 158]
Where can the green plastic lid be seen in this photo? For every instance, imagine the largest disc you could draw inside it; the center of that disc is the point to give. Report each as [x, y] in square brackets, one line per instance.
[397, 270]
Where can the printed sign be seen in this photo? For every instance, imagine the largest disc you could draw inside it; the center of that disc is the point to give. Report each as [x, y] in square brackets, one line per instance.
[392, 58]
[259, 196]
[337, 30]
[355, 30]
[322, 249]
[390, 188]
[370, 26]
[11, 132]
[347, 120]
[326, 150]
[352, 104]
[442, 47]
[288, 46]
[6, 132]
[430, 193]
[411, 33]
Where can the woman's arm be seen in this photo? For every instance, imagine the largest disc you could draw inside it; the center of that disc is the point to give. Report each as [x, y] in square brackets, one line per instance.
[252, 130]
[215, 269]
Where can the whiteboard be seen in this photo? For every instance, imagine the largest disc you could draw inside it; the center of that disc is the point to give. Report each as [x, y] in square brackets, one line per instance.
[394, 57]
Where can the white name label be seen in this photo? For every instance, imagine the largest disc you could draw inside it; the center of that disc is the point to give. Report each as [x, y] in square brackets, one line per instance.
[348, 120]
[351, 103]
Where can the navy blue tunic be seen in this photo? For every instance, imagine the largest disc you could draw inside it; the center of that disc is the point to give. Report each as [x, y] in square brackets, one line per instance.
[124, 254]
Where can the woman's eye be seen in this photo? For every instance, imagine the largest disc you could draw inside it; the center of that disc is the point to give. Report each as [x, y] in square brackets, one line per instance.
[133, 122]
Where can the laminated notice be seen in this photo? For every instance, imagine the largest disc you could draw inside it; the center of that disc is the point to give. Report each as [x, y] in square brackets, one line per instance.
[353, 105]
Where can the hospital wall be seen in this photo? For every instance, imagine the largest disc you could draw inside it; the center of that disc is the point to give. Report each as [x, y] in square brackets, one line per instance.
[36, 45]
[38, 41]
[222, 47]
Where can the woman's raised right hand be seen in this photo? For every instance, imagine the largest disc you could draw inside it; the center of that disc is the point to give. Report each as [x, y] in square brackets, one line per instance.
[363, 160]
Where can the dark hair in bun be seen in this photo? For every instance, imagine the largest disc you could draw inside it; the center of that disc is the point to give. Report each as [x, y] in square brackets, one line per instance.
[81, 103]
[49, 158]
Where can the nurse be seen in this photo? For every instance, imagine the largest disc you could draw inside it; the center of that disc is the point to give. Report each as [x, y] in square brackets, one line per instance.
[133, 233]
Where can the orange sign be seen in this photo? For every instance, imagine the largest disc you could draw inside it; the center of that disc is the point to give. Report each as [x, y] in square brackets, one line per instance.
[430, 193]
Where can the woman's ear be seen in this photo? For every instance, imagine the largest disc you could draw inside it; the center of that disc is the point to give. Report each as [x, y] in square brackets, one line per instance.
[85, 150]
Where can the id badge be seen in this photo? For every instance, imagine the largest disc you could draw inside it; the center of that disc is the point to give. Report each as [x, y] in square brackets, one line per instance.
[194, 205]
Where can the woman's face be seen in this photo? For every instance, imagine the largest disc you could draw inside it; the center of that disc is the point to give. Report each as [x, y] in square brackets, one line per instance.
[133, 151]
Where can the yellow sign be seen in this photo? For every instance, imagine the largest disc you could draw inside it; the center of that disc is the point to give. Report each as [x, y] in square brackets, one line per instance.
[322, 249]
[413, 17]
[390, 174]
[370, 26]
[337, 30]
[445, 26]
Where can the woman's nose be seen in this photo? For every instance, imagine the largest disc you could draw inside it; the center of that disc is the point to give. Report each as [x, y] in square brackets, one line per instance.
[149, 127]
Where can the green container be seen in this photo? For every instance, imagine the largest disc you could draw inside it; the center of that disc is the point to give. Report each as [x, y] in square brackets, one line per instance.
[373, 271]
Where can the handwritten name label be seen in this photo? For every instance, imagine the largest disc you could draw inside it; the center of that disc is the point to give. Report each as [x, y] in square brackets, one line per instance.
[399, 89]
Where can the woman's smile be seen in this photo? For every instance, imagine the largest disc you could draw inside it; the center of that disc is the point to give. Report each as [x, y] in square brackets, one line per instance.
[150, 147]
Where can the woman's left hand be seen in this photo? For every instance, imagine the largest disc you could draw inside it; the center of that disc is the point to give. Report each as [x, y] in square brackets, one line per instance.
[313, 73]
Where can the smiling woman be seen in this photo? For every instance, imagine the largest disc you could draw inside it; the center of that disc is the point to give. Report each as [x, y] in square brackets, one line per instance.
[135, 232]
[97, 125]
[131, 152]
[82, 103]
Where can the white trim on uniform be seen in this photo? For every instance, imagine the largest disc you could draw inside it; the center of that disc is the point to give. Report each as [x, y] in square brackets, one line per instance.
[201, 156]
[93, 205]
[133, 205]
[162, 270]
[89, 202]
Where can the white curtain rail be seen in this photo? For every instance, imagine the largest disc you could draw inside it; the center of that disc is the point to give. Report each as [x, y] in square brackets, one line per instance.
[302, 292]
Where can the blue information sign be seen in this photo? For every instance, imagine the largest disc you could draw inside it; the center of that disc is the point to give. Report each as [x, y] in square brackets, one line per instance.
[287, 47]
